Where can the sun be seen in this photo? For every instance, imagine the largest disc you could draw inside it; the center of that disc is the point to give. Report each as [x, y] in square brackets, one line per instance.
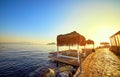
[102, 35]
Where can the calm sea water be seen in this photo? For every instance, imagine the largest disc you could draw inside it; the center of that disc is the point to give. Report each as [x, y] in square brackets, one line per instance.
[20, 60]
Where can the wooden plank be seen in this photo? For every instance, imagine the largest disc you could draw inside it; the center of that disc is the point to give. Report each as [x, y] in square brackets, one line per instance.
[65, 60]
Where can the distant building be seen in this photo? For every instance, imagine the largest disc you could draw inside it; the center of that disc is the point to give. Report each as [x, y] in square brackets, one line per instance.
[115, 43]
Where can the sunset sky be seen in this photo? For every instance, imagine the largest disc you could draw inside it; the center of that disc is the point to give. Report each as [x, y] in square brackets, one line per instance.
[40, 21]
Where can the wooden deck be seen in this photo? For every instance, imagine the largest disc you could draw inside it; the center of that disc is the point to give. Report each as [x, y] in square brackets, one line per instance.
[69, 56]
[67, 60]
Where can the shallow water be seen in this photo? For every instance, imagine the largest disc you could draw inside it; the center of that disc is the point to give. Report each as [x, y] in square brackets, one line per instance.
[20, 60]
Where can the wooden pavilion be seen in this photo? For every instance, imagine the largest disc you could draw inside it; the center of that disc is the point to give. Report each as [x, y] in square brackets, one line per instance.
[89, 41]
[69, 39]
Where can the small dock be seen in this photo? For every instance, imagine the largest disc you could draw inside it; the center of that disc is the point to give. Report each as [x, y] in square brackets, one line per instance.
[68, 57]
[66, 60]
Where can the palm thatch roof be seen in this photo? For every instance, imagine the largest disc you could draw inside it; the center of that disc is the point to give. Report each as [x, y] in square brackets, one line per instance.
[104, 43]
[89, 41]
[71, 39]
[115, 34]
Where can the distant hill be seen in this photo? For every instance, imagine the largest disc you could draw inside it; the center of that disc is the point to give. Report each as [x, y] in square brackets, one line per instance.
[53, 43]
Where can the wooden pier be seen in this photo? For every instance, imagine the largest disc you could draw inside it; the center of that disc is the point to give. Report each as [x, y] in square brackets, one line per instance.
[66, 60]
[68, 57]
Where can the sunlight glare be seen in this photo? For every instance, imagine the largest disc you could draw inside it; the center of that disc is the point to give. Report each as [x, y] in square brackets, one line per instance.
[102, 35]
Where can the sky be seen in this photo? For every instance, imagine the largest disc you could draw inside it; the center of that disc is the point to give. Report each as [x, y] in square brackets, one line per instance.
[40, 21]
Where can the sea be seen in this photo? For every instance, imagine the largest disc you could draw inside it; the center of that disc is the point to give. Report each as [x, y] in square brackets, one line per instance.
[24, 60]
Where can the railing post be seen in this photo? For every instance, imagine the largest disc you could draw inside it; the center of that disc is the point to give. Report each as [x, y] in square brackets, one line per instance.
[57, 55]
[78, 53]
[57, 50]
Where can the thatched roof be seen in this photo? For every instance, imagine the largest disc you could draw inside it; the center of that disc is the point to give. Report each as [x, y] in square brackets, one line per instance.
[71, 39]
[115, 34]
[90, 41]
[104, 43]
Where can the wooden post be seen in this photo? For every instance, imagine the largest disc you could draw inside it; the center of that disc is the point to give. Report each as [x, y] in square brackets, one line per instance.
[79, 59]
[69, 47]
[84, 51]
[84, 48]
[57, 55]
[78, 53]
[80, 64]
[57, 50]
[111, 41]
[115, 41]
[69, 50]
[118, 39]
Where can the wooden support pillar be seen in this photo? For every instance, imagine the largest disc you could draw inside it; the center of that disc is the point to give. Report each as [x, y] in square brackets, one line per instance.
[57, 64]
[115, 41]
[118, 36]
[79, 59]
[80, 64]
[93, 46]
[69, 47]
[57, 50]
[78, 53]
[84, 49]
